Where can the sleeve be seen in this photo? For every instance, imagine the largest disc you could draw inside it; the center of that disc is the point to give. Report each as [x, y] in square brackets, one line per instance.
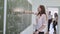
[44, 21]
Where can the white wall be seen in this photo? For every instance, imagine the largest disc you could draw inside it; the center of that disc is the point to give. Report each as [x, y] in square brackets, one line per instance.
[47, 2]
[30, 1]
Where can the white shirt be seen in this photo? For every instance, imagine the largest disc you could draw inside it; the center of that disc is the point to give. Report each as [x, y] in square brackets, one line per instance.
[42, 20]
[49, 16]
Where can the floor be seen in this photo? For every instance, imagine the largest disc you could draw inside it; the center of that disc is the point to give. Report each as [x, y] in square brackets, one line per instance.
[29, 30]
[51, 29]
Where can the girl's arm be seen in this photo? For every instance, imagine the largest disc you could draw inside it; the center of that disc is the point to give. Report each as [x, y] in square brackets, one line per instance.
[41, 28]
[30, 12]
[18, 11]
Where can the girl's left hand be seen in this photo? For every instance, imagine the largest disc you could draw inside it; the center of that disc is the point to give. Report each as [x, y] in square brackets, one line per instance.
[36, 32]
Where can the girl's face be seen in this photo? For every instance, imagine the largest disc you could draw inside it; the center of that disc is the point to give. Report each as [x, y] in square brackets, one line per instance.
[39, 9]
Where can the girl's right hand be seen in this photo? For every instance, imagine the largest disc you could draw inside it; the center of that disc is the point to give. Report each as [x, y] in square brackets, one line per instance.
[36, 32]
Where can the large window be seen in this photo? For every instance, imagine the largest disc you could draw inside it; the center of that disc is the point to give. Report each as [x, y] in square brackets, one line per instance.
[12, 22]
[15, 21]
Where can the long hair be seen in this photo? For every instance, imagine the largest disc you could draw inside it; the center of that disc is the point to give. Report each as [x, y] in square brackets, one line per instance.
[55, 15]
[42, 10]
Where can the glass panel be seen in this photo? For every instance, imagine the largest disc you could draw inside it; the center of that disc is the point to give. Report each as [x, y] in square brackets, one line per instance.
[1, 15]
[17, 22]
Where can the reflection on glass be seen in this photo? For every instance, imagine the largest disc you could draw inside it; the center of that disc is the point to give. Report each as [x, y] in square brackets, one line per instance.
[17, 22]
[1, 15]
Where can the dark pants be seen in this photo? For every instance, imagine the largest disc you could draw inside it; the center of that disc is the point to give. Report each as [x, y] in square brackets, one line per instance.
[40, 32]
[49, 22]
[54, 25]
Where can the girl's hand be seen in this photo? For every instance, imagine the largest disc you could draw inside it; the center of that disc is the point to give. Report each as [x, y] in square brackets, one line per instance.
[36, 32]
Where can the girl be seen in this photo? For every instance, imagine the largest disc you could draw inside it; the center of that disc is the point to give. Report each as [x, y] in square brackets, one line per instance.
[41, 26]
[55, 22]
